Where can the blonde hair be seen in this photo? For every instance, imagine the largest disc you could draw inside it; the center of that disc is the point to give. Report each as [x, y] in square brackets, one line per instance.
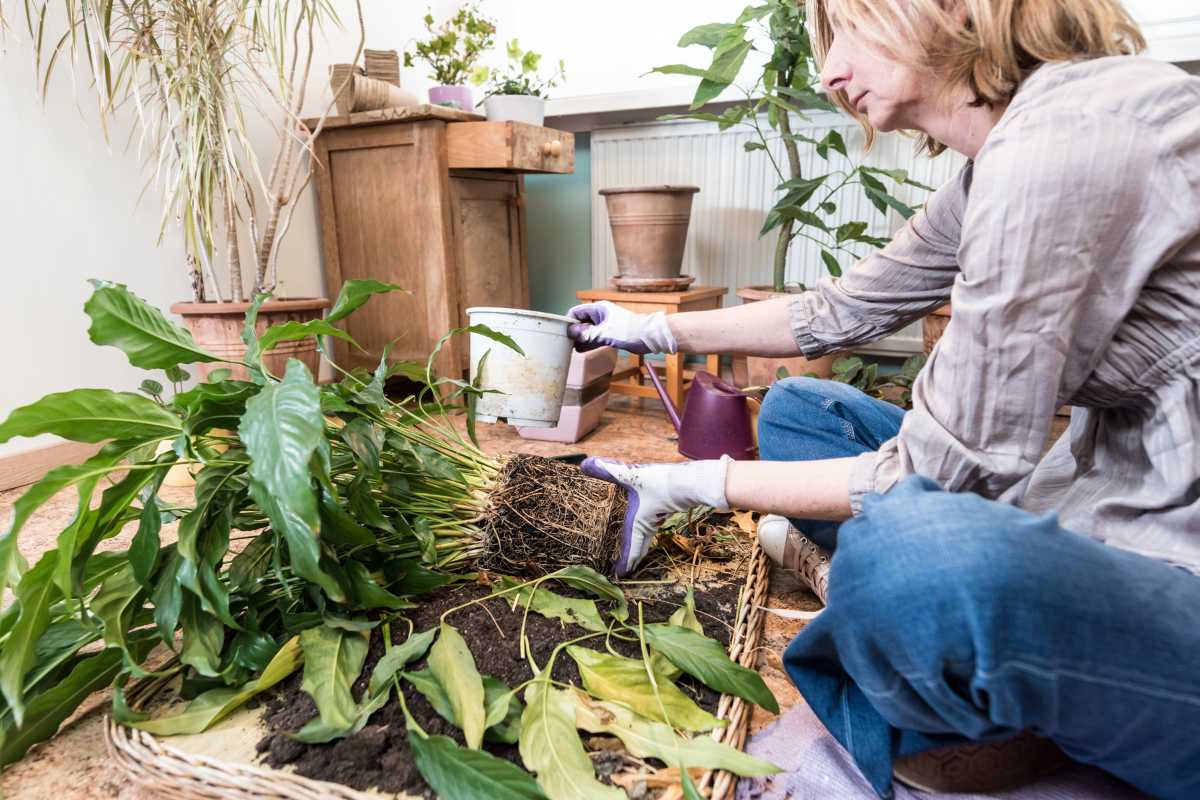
[991, 51]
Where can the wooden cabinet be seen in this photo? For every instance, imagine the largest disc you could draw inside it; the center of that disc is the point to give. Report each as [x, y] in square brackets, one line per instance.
[399, 203]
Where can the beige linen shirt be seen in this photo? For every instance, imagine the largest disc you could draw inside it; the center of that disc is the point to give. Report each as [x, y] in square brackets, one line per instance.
[1070, 249]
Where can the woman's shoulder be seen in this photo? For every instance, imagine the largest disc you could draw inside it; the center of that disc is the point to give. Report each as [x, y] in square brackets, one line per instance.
[1124, 89]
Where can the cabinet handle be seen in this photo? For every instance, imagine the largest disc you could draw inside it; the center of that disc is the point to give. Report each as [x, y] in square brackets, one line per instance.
[552, 149]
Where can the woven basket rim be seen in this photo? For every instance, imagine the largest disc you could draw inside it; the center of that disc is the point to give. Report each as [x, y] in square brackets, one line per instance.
[172, 773]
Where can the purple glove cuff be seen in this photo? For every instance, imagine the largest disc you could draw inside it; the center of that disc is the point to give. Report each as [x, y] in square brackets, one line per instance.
[595, 468]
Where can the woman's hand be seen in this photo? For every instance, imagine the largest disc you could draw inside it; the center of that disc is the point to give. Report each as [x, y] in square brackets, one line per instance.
[655, 491]
[608, 324]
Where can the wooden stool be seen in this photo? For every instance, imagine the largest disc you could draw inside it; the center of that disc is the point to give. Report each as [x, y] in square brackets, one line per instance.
[630, 380]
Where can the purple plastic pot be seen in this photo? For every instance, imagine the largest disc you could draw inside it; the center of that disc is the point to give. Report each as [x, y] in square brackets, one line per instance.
[459, 96]
[716, 419]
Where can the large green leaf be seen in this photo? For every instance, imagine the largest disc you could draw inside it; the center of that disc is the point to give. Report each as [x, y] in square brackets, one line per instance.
[291, 331]
[625, 680]
[124, 320]
[464, 774]
[355, 293]
[114, 606]
[214, 405]
[281, 429]
[83, 475]
[705, 659]
[216, 704]
[92, 415]
[504, 711]
[709, 35]
[35, 593]
[48, 710]
[646, 739]
[451, 662]
[316, 731]
[684, 616]
[423, 681]
[586, 579]
[333, 659]
[203, 637]
[550, 747]
[572, 610]
[395, 659]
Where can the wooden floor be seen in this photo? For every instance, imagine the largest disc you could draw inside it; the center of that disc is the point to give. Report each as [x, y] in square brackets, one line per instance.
[74, 766]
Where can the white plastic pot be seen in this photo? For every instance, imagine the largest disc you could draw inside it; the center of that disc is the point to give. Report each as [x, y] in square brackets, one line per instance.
[515, 107]
[530, 387]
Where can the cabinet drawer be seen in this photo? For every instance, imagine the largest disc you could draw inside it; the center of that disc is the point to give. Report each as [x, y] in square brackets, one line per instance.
[509, 145]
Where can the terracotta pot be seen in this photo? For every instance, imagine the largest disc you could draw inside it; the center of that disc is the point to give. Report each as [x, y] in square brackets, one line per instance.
[760, 371]
[933, 326]
[217, 328]
[649, 228]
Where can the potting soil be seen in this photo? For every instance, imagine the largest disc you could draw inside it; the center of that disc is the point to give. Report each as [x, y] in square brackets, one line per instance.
[379, 756]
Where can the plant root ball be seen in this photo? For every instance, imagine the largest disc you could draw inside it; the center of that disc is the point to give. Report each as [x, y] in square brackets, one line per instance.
[545, 514]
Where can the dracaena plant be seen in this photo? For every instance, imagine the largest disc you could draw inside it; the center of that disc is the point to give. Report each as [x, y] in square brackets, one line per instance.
[520, 75]
[785, 88]
[191, 72]
[454, 47]
[320, 512]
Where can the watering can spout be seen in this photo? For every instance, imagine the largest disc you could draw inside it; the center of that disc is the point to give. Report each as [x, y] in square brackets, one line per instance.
[672, 412]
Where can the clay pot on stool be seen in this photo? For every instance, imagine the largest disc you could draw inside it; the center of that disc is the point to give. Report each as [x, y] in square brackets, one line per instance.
[649, 228]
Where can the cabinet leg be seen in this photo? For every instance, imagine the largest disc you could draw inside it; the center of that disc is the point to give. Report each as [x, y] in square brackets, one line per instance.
[713, 365]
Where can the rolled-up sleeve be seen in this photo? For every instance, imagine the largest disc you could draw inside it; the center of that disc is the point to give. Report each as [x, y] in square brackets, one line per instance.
[897, 285]
[1044, 263]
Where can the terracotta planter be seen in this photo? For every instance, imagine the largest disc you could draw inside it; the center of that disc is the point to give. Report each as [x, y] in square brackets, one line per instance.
[760, 371]
[649, 228]
[217, 328]
[933, 326]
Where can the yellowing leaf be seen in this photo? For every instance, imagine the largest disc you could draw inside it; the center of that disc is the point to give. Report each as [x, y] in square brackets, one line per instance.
[646, 739]
[216, 704]
[573, 610]
[550, 747]
[333, 659]
[451, 662]
[625, 680]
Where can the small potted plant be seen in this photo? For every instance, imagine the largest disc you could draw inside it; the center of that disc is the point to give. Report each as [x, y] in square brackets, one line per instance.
[451, 52]
[516, 92]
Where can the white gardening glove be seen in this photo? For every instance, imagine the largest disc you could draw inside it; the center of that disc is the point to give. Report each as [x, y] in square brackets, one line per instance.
[606, 324]
[656, 491]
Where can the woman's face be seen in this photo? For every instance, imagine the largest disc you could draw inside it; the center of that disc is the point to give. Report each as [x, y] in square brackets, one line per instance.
[890, 94]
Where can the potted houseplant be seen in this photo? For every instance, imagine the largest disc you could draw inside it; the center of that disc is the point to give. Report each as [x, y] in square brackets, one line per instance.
[807, 207]
[451, 51]
[194, 71]
[516, 92]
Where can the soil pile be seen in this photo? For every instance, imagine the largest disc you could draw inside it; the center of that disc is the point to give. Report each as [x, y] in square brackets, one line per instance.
[379, 756]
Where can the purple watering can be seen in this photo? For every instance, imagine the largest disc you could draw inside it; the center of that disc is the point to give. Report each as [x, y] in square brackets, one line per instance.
[716, 419]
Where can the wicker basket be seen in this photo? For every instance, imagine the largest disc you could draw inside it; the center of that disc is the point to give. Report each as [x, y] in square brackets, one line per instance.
[168, 772]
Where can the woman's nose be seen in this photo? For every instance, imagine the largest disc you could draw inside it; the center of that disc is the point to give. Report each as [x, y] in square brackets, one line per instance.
[835, 72]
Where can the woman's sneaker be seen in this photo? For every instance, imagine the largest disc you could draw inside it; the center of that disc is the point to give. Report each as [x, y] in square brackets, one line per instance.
[792, 550]
[981, 767]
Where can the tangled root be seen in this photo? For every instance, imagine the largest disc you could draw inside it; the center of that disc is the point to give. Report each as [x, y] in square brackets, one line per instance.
[545, 514]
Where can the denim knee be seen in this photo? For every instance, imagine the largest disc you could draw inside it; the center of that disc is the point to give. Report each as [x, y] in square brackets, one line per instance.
[920, 559]
[794, 405]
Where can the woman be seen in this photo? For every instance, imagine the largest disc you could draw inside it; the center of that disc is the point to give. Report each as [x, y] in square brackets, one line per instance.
[979, 589]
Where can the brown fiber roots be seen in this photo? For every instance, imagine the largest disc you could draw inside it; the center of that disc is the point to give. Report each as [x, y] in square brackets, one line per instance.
[545, 514]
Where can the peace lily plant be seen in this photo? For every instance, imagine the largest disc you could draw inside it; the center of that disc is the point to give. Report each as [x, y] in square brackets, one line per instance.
[320, 513]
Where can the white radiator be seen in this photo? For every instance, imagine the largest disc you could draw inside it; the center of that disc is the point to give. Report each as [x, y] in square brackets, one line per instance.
[736, 190]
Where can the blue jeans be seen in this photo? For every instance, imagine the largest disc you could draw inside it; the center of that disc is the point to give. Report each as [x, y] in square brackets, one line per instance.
[952, 618]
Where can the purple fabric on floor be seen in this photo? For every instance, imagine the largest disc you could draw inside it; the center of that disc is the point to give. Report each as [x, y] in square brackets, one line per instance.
[817, 768]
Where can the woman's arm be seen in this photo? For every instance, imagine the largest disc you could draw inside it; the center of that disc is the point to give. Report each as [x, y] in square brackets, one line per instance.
[804, 489]
[755, 329]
